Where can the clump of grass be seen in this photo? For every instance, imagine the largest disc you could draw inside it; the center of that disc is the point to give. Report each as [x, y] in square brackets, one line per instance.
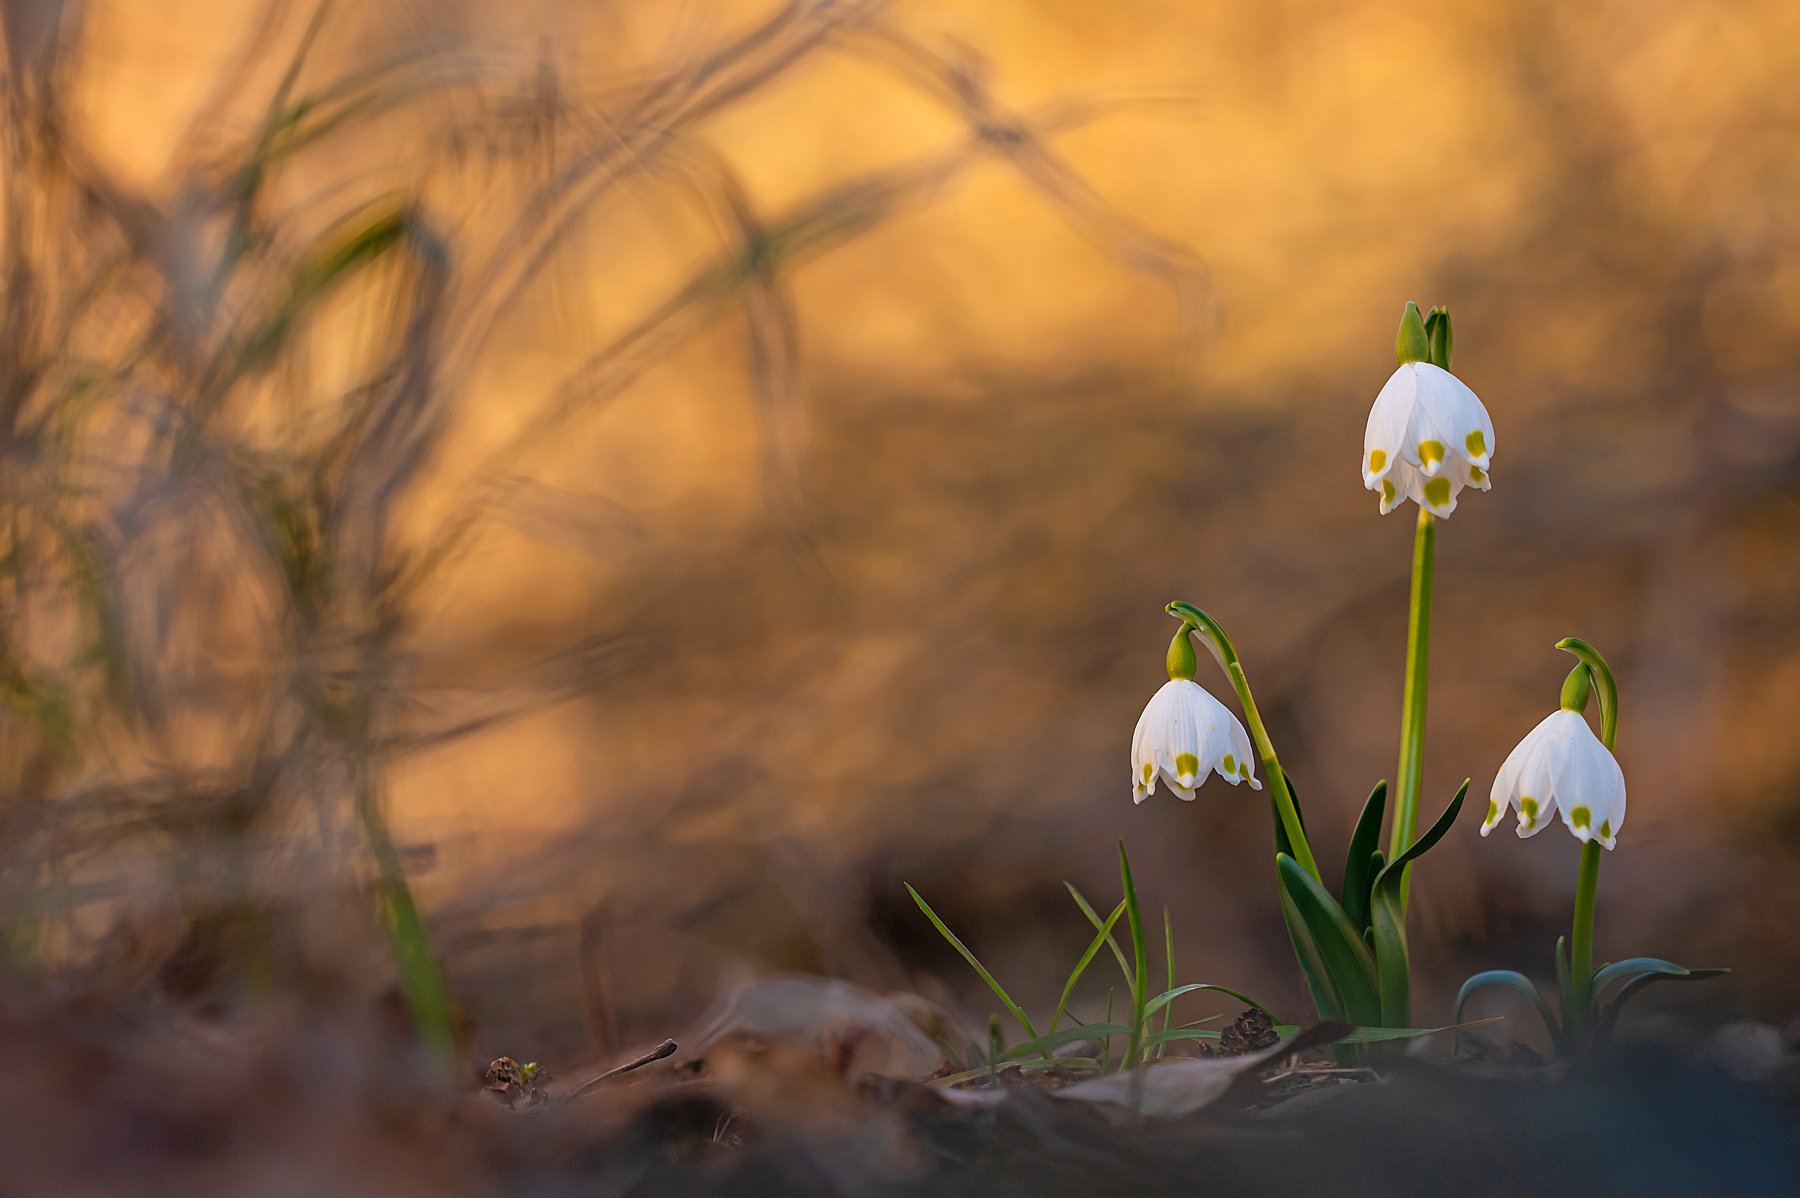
[1142, 1041]
[209, 612]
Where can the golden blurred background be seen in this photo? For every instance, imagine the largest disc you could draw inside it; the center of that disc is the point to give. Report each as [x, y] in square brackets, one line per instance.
[698, 466]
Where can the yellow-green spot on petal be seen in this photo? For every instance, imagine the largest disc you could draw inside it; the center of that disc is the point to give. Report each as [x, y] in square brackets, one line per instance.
[1477, 443]
[1493, 811]
[1387, 490]
[1186, 764]
[1230, 765]
[1476, 474]
[1437, 492]
[1529, 806]
[1606, 829]
[1243, 769]
[1580, 817]
[1431, 453]
[1149, 768]
[1377, 459]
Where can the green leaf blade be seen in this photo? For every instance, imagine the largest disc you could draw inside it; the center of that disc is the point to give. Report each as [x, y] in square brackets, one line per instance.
[1100, 938]
[999, 991]
[1346, 958]
[1359, 870]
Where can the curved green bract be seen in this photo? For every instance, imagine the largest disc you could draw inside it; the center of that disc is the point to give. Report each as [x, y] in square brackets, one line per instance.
[1604, 686]
[1387, 917]
[1346, 958]
[1518, 981]
[1210, 632]
[1360, 869]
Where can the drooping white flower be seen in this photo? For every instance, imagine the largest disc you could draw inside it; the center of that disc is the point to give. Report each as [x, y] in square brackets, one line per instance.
[1427, 438]
[1183, 736]
[1561, 766]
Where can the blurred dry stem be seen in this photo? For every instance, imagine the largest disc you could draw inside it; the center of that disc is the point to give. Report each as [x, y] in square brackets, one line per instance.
[226, 399]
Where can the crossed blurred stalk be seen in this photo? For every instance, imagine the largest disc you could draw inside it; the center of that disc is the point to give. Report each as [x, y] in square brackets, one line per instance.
[184, 504]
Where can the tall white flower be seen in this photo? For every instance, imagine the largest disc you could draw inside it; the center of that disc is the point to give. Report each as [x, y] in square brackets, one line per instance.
[1183, 736]
[1561, 766]
[1427, 438]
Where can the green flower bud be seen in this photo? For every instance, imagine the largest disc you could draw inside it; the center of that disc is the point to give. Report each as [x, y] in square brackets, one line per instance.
[1576, 689]
[1437, 334]
[1183, 661]
[1411, 344]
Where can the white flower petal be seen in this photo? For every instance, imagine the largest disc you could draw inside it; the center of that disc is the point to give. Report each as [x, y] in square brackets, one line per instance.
[1561, 768]
[1426, 425]
[1456, 414]
[1183, 736]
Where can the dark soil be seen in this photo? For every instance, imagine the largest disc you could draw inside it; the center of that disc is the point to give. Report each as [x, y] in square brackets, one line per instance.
[286, 1102]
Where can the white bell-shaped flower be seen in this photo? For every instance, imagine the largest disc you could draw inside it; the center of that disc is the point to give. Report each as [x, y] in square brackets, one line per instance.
[1427, 438]
[1184, 735]
[1561, 766]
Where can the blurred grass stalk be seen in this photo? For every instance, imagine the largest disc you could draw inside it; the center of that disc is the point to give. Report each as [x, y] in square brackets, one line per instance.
[181, 496]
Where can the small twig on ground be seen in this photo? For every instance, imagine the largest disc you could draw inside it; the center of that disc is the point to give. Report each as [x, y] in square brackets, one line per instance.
[666, 1048]
[1297, 1070]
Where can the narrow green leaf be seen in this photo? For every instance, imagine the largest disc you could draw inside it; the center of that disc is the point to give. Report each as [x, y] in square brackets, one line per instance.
[1387, 914]
[1424, 843]
[1610, 1019]
[1346, 957]
[1360, 868]
[1169, 959]
[1087, 909]
[1387, 917]
[959, 946]
[1140, 978]
[1183, 1033]
[1087, 957]
[1044, 1043]
[1171, 995]
[1519, 982]
[1326, 1000]
[1606, 975]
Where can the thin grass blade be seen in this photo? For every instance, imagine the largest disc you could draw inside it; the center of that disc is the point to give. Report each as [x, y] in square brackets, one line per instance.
[959, 946]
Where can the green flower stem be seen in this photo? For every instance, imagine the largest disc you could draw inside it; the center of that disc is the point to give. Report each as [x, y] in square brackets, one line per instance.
[1223, 652]
[1599, 680]
[1412, 726]
[1581, 943]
